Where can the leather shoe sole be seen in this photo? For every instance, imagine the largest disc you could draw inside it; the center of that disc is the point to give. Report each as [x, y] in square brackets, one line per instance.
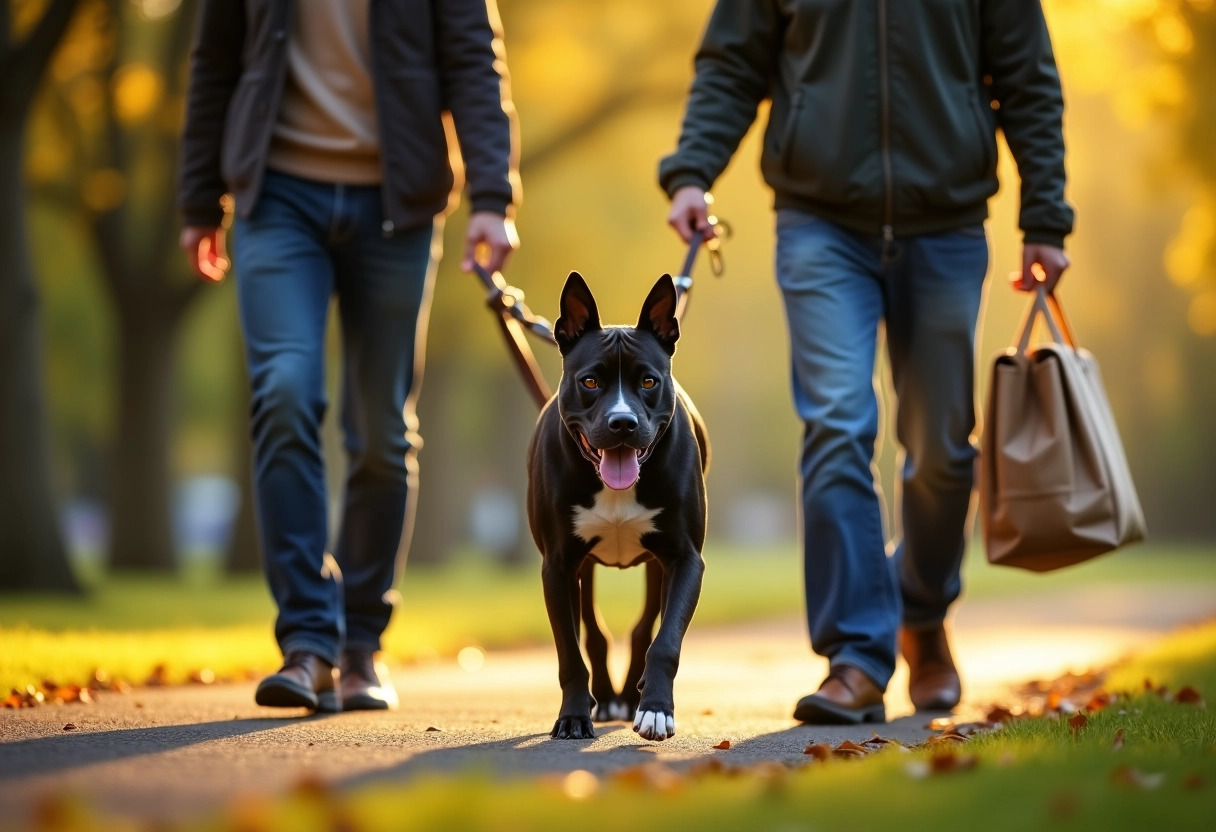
[366, 702]
[279, 692]
[816, 710]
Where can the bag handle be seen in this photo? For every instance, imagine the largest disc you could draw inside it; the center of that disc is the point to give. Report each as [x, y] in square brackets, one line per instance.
[1047, 305]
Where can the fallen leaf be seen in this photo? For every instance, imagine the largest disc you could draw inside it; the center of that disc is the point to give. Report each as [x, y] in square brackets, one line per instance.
[71, 726]
[1077, 723]
[1189, 696]
[820, 750]
[998, 714]
[1192, 782]
[1117, 743]
[849, 749]
[1099, 700]
[940, 724]
[1135, 778]
[722, 746]
[947, 761]
[431, 728]
[707, 712]
[13, 700]
[159, 677]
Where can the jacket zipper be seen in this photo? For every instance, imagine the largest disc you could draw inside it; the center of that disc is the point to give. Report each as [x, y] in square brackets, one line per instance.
[884, 80]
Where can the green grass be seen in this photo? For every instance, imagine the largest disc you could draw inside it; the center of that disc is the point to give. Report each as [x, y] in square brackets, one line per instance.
[129, 625]
[1033, 774]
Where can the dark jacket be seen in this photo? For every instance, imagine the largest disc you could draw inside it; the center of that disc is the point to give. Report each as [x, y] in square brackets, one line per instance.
[428, 56]
[884, 112]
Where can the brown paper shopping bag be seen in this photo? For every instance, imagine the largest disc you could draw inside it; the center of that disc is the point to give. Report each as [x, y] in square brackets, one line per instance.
[1055, 488]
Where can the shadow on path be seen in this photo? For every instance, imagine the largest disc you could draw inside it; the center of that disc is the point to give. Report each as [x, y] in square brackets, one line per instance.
[68, 751]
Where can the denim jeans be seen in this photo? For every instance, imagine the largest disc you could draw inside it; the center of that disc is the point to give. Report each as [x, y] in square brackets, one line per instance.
[838, 287]
[305, 243]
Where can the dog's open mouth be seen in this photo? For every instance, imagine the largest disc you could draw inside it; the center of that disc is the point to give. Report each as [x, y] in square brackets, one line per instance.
[618, 467]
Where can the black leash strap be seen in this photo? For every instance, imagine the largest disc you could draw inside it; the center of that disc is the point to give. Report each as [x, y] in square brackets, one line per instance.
[515, 318]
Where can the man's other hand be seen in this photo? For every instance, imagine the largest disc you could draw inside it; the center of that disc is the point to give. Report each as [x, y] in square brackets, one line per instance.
[1041, 264]
[204, 247]
[690, 212]
[489, 240]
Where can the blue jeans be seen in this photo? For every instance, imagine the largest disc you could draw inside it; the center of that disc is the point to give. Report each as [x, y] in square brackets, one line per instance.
[306, 242]
[838, 286]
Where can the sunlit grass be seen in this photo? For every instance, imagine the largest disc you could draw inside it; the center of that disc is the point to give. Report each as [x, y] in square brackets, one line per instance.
[129, 625]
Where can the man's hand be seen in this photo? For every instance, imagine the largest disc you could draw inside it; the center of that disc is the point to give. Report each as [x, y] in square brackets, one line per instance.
[1041, 263]
[489, 240]
[690, 212]
[204, 247]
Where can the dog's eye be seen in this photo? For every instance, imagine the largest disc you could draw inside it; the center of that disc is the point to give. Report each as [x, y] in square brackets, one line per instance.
[590, 383]
[648, 383]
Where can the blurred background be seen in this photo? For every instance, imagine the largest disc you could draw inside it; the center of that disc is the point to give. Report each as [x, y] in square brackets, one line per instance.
[123, 398]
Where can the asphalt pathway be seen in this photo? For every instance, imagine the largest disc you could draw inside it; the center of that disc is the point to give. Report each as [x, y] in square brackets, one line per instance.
[166, 753]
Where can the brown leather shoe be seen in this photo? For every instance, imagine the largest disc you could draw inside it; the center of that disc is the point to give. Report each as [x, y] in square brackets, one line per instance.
[363, 688]
[846, 697]
[304, 681]
[933, 683]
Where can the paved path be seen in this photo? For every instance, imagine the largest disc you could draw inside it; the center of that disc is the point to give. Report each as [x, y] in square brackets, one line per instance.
[171, 752]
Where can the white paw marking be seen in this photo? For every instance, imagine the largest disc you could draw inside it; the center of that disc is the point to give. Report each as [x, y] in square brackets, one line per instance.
[654, 725]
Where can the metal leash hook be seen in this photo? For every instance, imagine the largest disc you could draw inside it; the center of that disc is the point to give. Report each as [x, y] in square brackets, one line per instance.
[720, 230]
[516, 319]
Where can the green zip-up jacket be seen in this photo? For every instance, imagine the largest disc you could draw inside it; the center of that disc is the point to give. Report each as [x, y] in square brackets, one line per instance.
[884, 112]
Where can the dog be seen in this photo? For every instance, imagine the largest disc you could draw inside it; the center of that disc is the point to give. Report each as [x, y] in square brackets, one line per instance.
[616, 470]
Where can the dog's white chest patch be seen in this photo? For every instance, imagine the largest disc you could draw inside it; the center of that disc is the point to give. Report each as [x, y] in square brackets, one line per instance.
[619, 521]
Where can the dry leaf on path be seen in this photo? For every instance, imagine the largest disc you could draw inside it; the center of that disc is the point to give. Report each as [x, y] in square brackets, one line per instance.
[1078, 722]
[820, 750]
[722, 746]
[849, 749]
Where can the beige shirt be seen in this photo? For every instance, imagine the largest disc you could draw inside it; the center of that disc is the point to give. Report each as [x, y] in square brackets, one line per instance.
[326, 126]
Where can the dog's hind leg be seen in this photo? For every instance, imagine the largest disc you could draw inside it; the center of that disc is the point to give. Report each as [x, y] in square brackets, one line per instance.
[643, 634]
[559, 577]
[597, 641]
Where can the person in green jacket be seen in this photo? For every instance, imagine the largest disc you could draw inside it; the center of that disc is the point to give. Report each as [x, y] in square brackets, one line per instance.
[881, 152]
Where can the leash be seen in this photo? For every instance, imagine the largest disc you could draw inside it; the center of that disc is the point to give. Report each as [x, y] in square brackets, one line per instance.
[515, 319]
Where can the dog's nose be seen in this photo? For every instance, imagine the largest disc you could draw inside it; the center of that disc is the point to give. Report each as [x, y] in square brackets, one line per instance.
[623, 423]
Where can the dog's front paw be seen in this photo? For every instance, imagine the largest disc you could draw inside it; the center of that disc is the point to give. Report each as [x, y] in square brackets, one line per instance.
[572, 728]
[654, 725]
[612, 709]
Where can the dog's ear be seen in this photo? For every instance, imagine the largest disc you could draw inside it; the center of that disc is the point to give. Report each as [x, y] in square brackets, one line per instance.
[659, 313]
[579, 314]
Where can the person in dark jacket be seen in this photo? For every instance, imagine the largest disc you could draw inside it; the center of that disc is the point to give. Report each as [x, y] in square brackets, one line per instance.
[323, 120]
[881, 152]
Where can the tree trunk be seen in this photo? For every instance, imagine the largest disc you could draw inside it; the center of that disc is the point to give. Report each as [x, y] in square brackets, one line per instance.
[32, 552]
[141, 493]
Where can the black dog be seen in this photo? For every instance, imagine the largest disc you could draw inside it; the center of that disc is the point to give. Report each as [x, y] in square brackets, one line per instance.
[617, 477]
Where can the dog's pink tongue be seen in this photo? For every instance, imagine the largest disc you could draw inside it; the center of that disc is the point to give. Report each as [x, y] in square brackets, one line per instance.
[619, 468]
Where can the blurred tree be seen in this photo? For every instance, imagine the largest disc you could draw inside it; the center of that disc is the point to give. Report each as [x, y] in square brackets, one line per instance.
[117, 106]
[32, 552]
